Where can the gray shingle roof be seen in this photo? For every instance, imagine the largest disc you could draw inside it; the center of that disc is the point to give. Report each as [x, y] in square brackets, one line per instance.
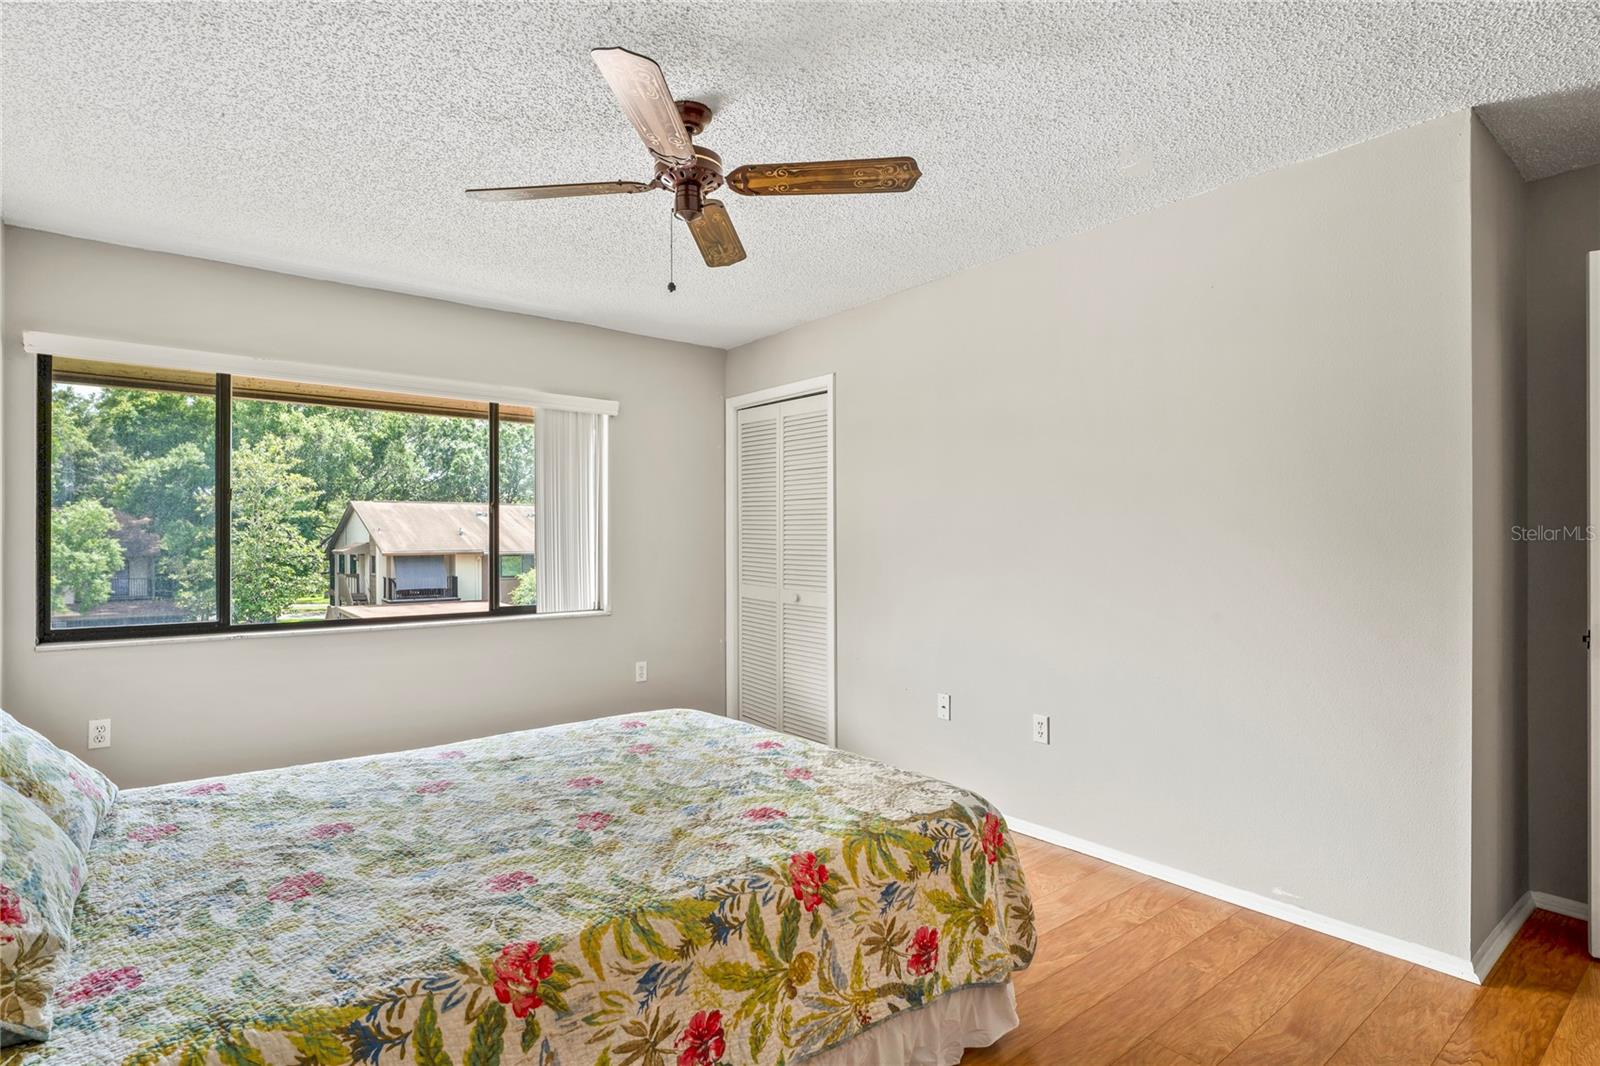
[405, 527]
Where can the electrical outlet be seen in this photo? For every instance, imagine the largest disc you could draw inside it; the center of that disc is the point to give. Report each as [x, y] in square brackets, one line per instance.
[1041, 729]
[99, 732]
[944, 706]
[641, 671]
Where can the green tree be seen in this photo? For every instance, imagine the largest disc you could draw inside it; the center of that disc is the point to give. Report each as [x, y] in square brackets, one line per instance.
[169, 488]
[526, 594]
[452, 455]
[516, 462]
[75, 456]
[176, 490]
[83, 554]
[274, 563]
[143, 423]
[143, 453]
[359, 454]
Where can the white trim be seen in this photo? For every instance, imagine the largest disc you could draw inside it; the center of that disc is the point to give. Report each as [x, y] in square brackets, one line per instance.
[1561, 905]
[38, 343]
[730, 560]
[1593, 700]
[605, 516]
[1432, 958]
[791, 391]
[730, 478]
[833, 585]
[1494, 945]
[309, 631]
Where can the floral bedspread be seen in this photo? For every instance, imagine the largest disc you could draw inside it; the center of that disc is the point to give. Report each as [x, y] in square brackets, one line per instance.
[665, 888]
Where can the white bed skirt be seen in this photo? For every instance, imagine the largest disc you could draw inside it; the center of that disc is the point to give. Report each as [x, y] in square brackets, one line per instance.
[933, 1035]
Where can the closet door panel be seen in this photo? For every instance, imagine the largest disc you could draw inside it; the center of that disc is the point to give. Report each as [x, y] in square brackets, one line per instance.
[805, 544]
[760, 653]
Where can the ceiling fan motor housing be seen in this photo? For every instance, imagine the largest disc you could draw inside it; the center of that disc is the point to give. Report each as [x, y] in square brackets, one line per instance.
[691, 182]
[688, 201]
[695, 115]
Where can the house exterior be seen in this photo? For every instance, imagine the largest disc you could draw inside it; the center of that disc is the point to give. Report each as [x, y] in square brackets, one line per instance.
[139, 578]
[398, 553]
[140, 593]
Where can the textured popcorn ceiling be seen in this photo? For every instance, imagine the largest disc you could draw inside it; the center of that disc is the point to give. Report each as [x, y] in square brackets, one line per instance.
[334, 140]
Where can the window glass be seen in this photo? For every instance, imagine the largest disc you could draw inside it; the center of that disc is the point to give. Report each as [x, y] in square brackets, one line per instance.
[519, 576]
[132, 526]
[367, 506]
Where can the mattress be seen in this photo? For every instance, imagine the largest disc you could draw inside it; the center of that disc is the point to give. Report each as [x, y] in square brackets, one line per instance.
[672, 887]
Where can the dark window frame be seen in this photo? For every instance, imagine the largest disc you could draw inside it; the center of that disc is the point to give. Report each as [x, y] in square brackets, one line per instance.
[223, 624]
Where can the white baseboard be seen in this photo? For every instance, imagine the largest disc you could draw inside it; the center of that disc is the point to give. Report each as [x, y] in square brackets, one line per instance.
[1494, 945]
[1489, 951]
[1561, 905]
[1432, 958]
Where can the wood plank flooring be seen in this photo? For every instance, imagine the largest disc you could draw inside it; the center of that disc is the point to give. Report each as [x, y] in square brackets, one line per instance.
[1132, 971]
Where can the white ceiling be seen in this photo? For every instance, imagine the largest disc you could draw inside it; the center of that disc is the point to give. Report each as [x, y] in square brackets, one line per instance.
[334, 140]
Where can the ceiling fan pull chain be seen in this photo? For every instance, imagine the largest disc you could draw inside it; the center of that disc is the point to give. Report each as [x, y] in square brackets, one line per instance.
[672, 286]
[672, 256]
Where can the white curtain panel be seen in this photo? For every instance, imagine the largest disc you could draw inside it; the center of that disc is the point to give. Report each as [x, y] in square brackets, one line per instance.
[566, 478]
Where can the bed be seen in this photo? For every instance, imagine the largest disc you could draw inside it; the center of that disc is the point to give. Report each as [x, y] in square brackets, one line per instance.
[672, 887]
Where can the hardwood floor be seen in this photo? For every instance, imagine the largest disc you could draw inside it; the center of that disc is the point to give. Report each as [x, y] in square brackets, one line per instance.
[1132, 971]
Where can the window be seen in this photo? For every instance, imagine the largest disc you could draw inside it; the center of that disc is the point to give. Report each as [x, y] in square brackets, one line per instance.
[346, 506]
[517, 532]
[132, 515]
[359, 483]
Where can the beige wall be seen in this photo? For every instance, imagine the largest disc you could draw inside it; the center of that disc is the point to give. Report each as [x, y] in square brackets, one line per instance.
[1198, 485]
[3, 543]
[1499, 783]
[188, 709]
[1563, 227]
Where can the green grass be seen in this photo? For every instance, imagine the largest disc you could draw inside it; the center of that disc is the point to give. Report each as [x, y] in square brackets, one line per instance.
[304, 611]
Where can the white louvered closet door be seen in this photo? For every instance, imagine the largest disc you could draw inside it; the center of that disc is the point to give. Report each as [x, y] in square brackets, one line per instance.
[784, 678]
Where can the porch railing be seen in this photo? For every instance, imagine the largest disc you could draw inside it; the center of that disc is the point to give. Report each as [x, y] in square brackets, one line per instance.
[393, 594]
[127, 587]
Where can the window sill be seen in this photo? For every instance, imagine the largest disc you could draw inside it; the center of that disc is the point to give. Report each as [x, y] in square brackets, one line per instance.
[303, 631]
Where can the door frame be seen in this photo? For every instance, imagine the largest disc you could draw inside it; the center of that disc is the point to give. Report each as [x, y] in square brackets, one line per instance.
[1594, 603]
[822, 384]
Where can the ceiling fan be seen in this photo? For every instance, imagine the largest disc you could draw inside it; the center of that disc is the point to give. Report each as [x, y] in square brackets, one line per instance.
[668, 128]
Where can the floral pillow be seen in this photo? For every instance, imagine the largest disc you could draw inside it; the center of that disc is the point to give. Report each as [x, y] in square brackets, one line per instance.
[74, 794]
[41, 871]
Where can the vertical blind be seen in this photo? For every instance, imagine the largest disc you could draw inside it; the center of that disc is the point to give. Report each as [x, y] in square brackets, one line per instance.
[569, 458]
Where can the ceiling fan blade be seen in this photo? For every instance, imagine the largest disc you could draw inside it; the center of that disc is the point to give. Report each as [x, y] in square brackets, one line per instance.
[554, 192]
[641, 89]
[893, 174]
[714, 233]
